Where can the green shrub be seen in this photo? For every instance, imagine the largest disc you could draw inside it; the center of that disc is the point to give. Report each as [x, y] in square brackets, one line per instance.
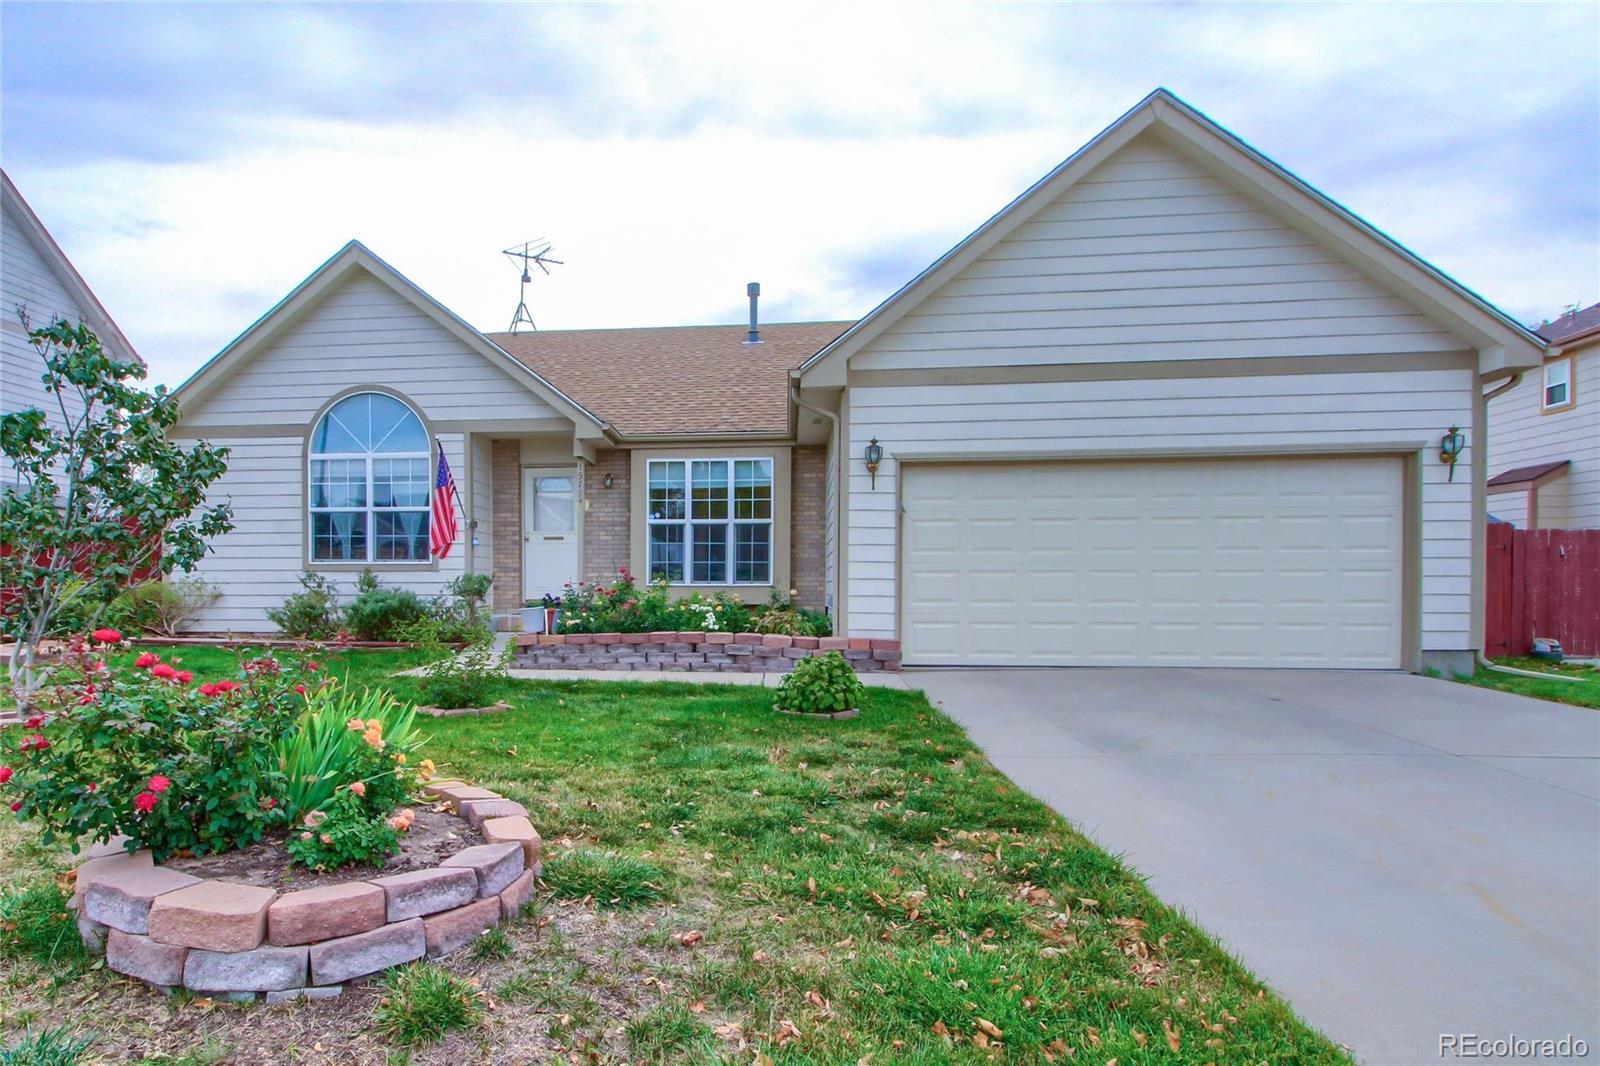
[161, 607]
[782, 615]
[460, 679]
[820, 684]
[623, 607]
[147, 752]
[612, 881]
[379, 612]
[421, 1003]
[35, 923]
[335, 744]
[47, 1047]
[312, 613]
[470, 590]
[344, 832]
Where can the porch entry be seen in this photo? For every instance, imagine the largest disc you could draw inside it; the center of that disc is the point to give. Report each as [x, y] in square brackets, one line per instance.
[549, 529]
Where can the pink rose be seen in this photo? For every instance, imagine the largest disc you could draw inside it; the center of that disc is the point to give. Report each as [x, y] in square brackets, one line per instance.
[147, 660]
[359, 788]
[164, 671]
[146, 801]
[5, 774]
[159, 784]
[107, 636]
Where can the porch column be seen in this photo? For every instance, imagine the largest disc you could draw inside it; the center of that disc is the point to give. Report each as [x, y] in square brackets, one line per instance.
[506, 483]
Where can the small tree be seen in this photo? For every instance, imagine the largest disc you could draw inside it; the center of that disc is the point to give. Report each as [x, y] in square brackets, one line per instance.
[101, 498]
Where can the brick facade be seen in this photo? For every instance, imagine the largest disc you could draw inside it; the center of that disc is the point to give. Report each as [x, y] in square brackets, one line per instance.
[505, 461]
[808, 486]
[606, 535]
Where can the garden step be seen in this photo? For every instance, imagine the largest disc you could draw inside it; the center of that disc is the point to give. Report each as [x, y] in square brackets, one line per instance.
[122, 898]
[419, 892]
[515, 829]
[496, 866]
[215, 915]
[144, 958]
[325, 913]
[477, 811]
[337, 961]
[452, 930]
[262, 970]
[519, 892]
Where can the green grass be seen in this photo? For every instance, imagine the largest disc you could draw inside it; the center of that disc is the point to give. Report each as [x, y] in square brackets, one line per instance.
[610, 881]
[35, 923]
[493, 944]
[870, 888]
[1586, 694]
[423, 1002]
[46, 1047]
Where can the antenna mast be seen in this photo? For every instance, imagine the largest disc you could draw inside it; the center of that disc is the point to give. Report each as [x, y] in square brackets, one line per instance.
[532, 253]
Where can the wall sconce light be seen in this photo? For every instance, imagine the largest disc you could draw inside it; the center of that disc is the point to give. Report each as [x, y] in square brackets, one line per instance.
[1450, 446]
[874, 460]
[608, 481]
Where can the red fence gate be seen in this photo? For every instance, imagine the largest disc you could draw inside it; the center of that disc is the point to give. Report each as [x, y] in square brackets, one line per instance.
[1542, 583]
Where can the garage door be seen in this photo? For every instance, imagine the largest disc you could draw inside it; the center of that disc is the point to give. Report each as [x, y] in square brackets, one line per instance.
[1260, 563]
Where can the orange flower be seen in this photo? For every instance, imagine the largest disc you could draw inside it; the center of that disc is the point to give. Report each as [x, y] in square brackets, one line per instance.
[359, 788]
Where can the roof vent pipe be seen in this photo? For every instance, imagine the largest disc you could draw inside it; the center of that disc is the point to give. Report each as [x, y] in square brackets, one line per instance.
[754, 291]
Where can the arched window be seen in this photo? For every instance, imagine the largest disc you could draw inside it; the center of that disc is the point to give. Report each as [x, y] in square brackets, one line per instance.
[369, 482]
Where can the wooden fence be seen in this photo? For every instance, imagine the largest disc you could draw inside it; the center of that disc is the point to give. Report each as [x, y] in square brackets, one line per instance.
[1542, 583]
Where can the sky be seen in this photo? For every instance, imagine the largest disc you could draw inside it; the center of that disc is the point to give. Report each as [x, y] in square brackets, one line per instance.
[196, 162]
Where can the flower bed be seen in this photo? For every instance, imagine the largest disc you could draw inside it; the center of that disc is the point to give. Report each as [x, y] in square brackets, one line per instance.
[170, 928]
[680, 651]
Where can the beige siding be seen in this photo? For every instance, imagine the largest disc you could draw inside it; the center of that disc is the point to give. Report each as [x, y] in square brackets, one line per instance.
[364, 331]
[1180, 416]
[26, 281]
[260, 562]
[1150, 257]
[1521, 434]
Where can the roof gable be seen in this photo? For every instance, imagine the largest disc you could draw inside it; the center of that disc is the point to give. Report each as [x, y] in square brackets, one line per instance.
[56, 261]
[355, 256]
[1503, 344]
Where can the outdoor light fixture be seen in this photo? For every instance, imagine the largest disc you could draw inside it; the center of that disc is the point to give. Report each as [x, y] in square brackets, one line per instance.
[874, 459]
[608, 481]
[1450, 446]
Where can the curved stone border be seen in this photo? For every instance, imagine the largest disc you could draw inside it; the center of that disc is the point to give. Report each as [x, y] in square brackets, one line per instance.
[836, 715]
[171, 929]
[464, 712]
[673, 650]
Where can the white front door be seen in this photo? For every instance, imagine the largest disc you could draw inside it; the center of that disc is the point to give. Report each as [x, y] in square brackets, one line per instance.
[549, 530]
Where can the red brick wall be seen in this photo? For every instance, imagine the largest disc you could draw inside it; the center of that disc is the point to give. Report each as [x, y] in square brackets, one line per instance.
[807, 526]
[505, 462]
[605, 524]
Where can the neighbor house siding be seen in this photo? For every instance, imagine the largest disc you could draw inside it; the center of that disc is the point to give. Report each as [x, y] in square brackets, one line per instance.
[1150, 257]
[363, 331]
[26, 282]
[807, 541]
[1393, 410]
[260, 561]
[1521, 434]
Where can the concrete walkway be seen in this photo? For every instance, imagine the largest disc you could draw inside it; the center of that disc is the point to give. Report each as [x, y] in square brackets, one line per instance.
[1399, 857]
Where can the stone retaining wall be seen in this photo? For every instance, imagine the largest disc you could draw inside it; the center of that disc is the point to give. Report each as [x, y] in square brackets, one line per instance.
[734, 652]
[171, 929]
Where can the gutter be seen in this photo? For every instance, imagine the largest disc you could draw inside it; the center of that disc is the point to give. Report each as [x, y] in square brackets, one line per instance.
[1505, 386]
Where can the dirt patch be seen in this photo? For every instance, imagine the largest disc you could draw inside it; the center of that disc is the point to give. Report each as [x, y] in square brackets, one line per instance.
[435, 836]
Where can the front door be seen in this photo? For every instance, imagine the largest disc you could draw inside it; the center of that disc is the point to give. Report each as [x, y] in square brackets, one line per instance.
[549, 530]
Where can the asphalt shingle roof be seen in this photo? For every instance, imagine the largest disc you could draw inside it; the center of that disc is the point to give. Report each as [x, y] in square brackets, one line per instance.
[1570, 325]
[676, 379]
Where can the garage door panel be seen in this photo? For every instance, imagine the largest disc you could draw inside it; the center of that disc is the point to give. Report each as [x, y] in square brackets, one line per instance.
[1292, 562]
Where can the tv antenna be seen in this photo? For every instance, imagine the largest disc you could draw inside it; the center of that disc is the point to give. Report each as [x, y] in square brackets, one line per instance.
[532, 253]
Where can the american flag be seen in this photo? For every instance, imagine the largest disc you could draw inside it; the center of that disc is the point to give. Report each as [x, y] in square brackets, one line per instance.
[444, 529]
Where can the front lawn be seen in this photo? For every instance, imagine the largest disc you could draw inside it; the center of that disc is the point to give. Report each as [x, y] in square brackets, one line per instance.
[1579, 695]
[724, 884]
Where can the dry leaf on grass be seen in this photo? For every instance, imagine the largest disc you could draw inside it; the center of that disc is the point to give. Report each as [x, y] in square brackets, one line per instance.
[691, 938]
[1172, 1034]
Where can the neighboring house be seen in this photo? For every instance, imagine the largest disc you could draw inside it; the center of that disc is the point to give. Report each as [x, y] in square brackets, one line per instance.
[1544, 433]
[1171, 406]
[36, 280]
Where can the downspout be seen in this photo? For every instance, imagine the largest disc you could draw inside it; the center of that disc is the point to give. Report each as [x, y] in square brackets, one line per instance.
[838, 511]
[1506, 386]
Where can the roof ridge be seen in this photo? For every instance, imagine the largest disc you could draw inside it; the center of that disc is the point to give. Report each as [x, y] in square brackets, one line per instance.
[696, 325]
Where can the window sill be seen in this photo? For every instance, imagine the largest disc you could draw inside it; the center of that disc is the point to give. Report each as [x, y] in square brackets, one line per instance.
[386, 565]
[1558, 408]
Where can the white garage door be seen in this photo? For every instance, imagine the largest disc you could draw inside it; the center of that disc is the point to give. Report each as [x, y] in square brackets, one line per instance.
[1268, 563]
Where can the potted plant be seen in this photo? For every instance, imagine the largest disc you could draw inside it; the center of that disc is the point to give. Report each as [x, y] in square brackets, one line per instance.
[539, 616]
[824, 686]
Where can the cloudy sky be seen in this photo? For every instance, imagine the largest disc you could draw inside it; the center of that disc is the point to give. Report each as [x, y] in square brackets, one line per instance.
[196, 162]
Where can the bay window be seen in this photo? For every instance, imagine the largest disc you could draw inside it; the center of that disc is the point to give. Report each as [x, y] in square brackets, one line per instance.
[710, 521]
[370, 477]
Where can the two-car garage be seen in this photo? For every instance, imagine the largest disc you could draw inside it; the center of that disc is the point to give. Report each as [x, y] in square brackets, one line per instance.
[1284, 562]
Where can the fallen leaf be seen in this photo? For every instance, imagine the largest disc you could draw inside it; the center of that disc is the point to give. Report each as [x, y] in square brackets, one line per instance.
[697, 1007]
[691, 938]
[786, 1033]
[1172, 1034]
[989, 1027]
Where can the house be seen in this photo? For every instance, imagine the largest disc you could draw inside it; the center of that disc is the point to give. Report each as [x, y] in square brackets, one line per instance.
[1544, 432]
[1171, 406]
[38, 282]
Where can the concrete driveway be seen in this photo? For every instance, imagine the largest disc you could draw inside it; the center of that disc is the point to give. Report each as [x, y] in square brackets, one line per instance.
[1398, 856]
